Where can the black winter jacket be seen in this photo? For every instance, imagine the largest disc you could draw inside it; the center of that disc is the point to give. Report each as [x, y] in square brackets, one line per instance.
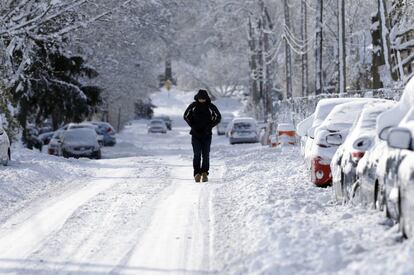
[202, 117]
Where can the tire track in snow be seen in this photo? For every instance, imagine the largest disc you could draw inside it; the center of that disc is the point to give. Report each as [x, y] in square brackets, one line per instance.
[178, 239]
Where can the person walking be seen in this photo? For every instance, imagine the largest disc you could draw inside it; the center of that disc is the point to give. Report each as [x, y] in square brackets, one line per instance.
[201, 116]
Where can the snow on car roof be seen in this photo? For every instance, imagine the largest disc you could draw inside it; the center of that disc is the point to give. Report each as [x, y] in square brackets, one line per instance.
[244, 119]
[285, 127]
[365, 125]
[343, 115]
[305, 125]
[326, 105]
[393, 116]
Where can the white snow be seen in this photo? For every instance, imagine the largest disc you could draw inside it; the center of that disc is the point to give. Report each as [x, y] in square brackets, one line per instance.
[138, 211]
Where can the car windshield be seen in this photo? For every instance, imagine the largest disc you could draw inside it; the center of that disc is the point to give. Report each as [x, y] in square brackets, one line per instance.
[157, 123]
[242, 126]
[80, 136]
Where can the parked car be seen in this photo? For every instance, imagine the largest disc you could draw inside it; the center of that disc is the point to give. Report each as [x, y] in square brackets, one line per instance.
[346, 158]
[302, 131]
[80, 142]
[392, 158]
[54, 147]
[399, 194]
[31, 138]
[399, 171]
[222, 126]
[329, 136]
[5, 151]
[46, 137]
[157, 126]
[108, 132]
[322, 110]
[370, 185]
[285, 134]
[99, 134]
[167, 120]
[243, 130]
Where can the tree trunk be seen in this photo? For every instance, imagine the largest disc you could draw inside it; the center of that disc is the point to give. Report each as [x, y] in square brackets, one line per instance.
[318, 48]
[304, 37]
[377, 54]
[385, 42]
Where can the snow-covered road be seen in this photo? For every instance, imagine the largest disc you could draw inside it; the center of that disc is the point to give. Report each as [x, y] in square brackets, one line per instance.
[138, 211]
[137, 215]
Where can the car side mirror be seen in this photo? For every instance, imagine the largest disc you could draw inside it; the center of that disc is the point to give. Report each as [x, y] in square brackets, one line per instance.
[383, 135]
[334, 139]
[399, 138]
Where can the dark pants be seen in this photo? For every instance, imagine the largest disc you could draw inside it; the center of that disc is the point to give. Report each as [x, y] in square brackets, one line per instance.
[201, 148]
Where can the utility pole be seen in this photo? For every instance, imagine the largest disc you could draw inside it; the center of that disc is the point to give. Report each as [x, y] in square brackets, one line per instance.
[253, 64]
[269, 70]
[288, 54]
[342, 47]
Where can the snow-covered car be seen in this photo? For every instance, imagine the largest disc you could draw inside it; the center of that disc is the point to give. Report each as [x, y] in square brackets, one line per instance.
[167, 120]
[391, 159]
[80, 142]
[346, 158]
[54, 147]
[400, 195]
[222, 126]
[5, 152]
[302, 131]
[243, 130]
[286, 134]
[370, 192]
[99, 134]
[323, 108]
[108, 132]
[399, 192]
[31, 137]
[157, 126]
[46, 137]
[399, 171]
[329, 136]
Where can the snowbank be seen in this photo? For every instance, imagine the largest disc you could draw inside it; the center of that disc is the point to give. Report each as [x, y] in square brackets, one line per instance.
[271, 220]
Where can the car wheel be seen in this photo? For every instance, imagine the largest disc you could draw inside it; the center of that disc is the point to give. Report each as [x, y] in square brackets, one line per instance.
[98, 155]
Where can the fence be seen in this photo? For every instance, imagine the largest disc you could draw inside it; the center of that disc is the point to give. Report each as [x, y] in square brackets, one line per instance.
[296, 109]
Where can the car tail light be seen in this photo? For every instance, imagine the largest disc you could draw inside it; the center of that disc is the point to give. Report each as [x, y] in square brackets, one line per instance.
[109, 130]
[356, 156]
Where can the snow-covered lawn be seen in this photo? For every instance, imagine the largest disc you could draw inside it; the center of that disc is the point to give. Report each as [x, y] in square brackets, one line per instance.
[139, 211]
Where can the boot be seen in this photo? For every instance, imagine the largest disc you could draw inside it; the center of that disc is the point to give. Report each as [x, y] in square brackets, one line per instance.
[197, 177]
[204, 176]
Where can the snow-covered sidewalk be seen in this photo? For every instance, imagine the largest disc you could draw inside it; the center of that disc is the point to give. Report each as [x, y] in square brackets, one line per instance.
[269, 219]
